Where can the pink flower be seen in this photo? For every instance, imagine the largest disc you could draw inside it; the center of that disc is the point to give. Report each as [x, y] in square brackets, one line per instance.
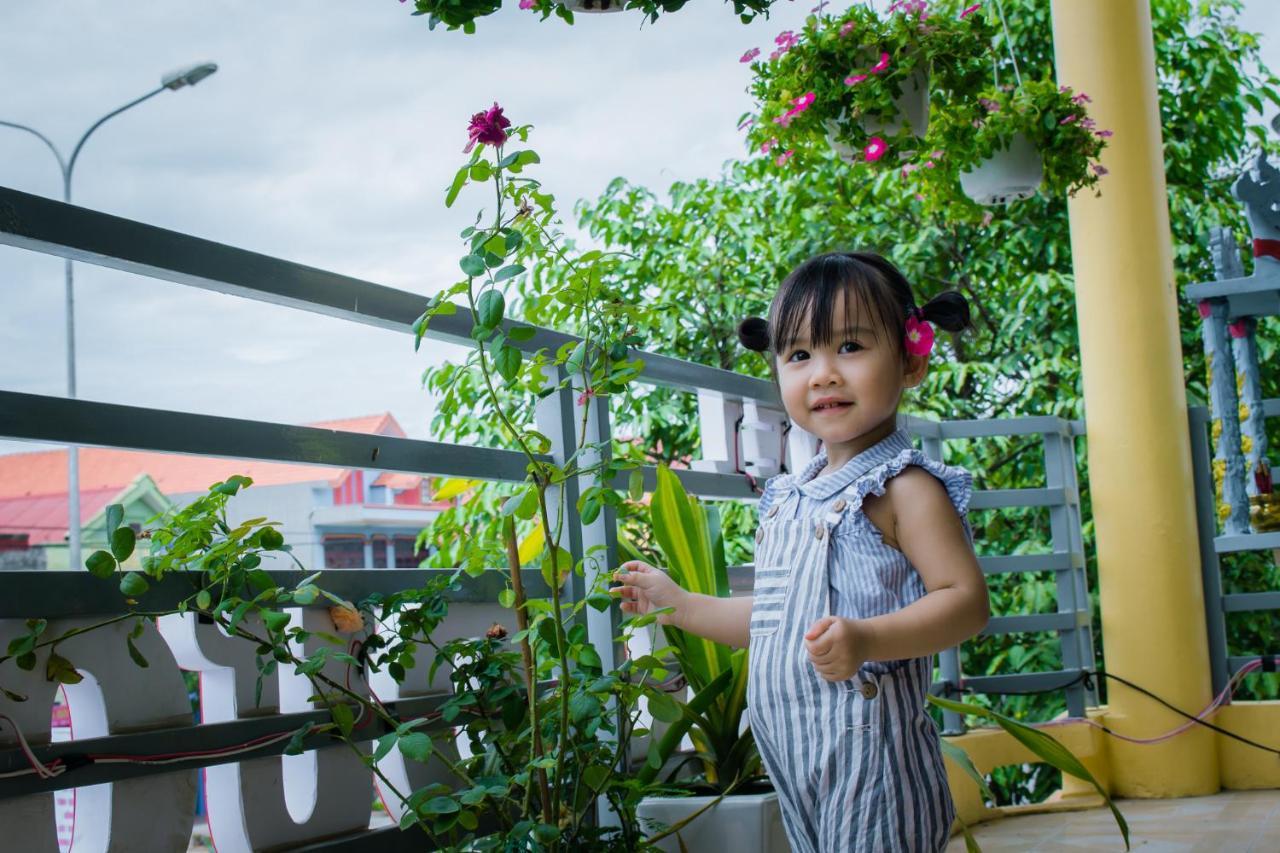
[786, 40]
[989, 105]
[848, 27]
[967, 12]
[1068, 120]
[585, 396]
[881, 65]
[1105, 134]
[1237, 329]
[773, 56]
[1088, 123]
[936, 155]
[488, 127]
[908, 169]
[802, 103]
[784, 156]
[875, 149]
[766, 145]
[854, 79]
[930, 164]
[1203, 307]
[986, 218]
[1081, 98]
[1099, 169]
[526, 4]
[918, 339]
[746, 57]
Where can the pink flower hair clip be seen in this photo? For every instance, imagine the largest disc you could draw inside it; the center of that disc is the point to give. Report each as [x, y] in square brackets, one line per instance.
[918, 339]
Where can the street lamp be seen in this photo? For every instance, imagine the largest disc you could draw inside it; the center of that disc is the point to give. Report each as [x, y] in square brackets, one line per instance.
[171, 81]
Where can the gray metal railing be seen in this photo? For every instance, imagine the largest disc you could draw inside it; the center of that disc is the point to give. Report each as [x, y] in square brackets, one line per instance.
[1222, 664]
[39, 224]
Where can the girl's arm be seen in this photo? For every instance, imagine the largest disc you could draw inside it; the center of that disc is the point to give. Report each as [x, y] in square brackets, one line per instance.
[927, 529]
[644, 588]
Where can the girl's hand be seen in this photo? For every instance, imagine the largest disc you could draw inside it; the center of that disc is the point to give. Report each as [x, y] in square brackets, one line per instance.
[837, 647]
[645, 588]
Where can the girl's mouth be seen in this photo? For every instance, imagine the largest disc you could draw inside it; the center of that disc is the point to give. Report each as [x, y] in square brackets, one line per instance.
[831, 406]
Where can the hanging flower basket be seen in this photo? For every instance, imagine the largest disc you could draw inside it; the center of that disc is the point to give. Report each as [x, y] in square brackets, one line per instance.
[1006, 145]
[591, 6]
[861, 82]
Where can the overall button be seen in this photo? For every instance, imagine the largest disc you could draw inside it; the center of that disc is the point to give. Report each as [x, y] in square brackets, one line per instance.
[773, 510]
[869, 689]
[839, 505]
[759, 534]
[819, 531]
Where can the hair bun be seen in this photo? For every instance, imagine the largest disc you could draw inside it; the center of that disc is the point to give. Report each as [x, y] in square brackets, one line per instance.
[949, 310]
[753, 333]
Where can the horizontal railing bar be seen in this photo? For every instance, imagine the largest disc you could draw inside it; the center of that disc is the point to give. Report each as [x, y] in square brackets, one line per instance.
[37, 417]
[52, 595]
[1033, 622]
[1004, 564]
[207, 736]
[1246, 542]
[1021, 682]
[1271, 407]
[1000, 498]
[1028, 425]
[1244, 602]
[1235, 663]
[703, 484]
[56, 228]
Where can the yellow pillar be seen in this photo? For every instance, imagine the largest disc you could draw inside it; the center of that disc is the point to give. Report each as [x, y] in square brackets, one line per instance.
[1136, 408]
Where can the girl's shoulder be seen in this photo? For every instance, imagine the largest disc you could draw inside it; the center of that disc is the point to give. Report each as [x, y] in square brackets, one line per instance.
[957, 481]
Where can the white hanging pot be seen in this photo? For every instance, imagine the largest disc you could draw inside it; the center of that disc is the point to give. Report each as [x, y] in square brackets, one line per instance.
[593, 5]
[845, 151]
[912, 108]
[1009, 175]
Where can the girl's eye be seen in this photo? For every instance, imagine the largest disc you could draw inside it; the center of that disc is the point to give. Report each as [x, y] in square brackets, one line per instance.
[798, 355]
[850, 346]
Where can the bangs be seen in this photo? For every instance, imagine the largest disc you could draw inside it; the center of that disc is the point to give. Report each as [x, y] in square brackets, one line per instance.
[807, 303]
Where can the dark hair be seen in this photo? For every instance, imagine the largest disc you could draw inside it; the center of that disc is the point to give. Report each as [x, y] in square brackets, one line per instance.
[872, 286]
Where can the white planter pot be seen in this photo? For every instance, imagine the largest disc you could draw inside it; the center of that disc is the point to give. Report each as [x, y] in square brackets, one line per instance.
[1012, 174]
[913, 110]
[740, 823]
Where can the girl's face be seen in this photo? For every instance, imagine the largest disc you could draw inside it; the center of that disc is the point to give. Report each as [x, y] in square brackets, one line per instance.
[846, 391]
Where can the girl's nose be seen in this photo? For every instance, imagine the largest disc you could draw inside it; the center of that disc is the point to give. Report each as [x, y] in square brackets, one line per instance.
[823, 372]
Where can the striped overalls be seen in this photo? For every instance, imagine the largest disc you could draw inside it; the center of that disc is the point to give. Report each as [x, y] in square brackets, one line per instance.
[856, 763]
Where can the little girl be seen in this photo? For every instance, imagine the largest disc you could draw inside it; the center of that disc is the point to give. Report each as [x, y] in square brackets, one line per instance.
[864, 568]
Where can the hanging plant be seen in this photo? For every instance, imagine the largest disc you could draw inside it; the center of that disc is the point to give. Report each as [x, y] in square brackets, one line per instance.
[861, 82]
[1007, 144]
[462, 14]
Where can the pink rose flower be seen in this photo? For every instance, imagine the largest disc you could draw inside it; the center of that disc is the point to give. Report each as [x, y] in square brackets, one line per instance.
[881, 65]
[488, 127]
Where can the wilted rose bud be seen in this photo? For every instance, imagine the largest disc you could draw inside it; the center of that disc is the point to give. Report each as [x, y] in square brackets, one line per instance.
[496, 632]
[346, 619]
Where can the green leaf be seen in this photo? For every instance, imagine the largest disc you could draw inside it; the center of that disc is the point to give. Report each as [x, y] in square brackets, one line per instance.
[481, 170]
[135, 654]
[275, 620]
[271, 539]
[294, 747]
[122, 543]
[663, 707]
[101, 564]
[507, 598]
[439, 805]
[962, 760]
[507, 360]
[489, 308]
[61, 670]
[459, 180]
[342, 715]
[203, 600]
[416, 746]
[472, 265]
[521, 333]
[635, 484]
[115, 515]
[508, 272]
[386, 743]
[582, 706]
[134, 584]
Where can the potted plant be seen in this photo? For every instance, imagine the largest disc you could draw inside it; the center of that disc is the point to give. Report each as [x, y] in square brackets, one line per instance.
[1006, 145]
[462, 14]
[862, 82]
[733, 803]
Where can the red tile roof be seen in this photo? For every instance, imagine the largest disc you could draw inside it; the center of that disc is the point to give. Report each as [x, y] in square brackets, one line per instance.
[45, 472]
[44, 517]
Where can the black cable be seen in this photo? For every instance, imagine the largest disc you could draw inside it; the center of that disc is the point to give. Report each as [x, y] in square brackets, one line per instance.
[1086, 676]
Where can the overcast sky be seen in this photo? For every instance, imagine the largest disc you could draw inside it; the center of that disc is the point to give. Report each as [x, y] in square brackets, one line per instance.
[326, 137]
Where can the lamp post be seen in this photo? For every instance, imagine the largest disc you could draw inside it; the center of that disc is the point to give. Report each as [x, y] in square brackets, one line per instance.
[171, 81]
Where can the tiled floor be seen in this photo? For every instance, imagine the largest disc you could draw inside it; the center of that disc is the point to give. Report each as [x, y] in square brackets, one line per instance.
[1243, 821]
